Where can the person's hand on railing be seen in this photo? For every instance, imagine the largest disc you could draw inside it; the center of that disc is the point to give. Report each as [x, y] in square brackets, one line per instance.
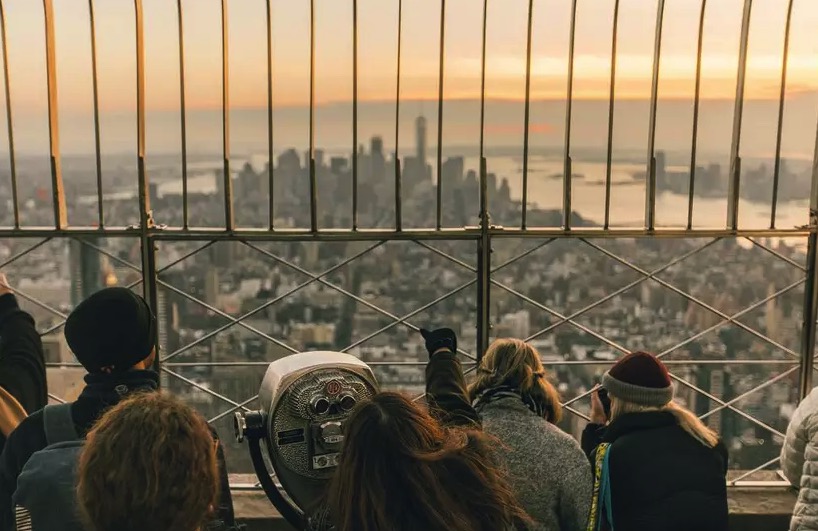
[5, 288]
[439, 339]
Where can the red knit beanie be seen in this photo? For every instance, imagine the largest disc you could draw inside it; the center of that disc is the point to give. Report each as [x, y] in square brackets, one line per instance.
[639, 378]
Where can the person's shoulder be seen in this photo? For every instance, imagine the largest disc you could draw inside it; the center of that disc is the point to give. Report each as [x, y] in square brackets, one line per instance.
[33, 424]
[27, 439]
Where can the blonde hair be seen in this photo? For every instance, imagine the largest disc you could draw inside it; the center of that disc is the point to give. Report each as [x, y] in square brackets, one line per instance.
[517, 364]
[688, 421]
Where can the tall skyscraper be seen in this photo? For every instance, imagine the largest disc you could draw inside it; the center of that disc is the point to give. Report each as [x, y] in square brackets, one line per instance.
[86, 269]
[420, 140]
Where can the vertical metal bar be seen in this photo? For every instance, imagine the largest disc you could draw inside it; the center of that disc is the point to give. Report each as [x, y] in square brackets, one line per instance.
[398, 212]
[611, 102]
[569, 106]
[484, 245]
[354, 114]
[228, 181]
[313, 186]
[650, 185]
[270, 161]
[145, 214]
[810, 313]
[811, 287]
[779, 132]
[734, 187]
[146, 223]
[696, 102]
[183, 112]
[58, 192]
[527, 112]
[441, 60]
[10, 122]
[94, 79]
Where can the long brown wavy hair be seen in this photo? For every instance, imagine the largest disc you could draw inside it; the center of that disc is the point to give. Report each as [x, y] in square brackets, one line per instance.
[402, 471]
[516, 364]
[149, 463]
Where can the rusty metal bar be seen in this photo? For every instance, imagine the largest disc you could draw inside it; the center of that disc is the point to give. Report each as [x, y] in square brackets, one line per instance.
[650, 185]
[696, 101]
[95, 84]
[228, 180]
[398, 199]
[527, 112]
[734, 188]
[57, 190]
[313, 184]
[780, 128]
[611, 105]
[183, 113]
[569, 108]
[10, 122]
[270, 155]
[441, 62]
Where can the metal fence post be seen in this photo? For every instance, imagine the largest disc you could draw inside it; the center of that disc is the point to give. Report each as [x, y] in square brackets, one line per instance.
[146, 223]
[484, 243]
[810, 288]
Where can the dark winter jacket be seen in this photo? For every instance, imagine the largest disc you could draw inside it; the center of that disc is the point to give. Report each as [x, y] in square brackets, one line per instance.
[22, 364]
[100, 393]
[446, 392]
[662, 479]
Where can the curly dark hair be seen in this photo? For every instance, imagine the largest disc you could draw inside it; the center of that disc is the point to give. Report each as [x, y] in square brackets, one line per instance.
[149, 463]
[402, 470]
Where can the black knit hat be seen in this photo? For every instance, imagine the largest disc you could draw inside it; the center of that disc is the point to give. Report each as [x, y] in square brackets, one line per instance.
[639, 378]
[112, 329]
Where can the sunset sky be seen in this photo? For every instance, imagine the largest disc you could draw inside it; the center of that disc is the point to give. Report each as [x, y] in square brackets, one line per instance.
[378, 23]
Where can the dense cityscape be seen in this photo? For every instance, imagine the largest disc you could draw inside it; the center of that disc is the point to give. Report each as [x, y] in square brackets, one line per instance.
[365, 287]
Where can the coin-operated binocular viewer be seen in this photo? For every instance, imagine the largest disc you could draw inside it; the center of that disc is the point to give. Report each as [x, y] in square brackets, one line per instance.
[305, 400]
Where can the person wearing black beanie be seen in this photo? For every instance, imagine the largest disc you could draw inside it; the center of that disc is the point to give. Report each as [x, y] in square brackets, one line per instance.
[657, 467]
[113, 334]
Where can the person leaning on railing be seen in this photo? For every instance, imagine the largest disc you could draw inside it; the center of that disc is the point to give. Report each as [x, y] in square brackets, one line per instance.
[113, 335]
[406, 468]
[657, 467]
[520, 407]
[22, 364]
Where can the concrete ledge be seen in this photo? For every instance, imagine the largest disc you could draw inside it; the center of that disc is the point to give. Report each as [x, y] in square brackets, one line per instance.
[751, 509]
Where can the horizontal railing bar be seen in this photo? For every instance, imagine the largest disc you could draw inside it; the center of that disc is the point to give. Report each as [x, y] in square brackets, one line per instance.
[466, 362]
[193, 364]
[675, 362]
[468, 233]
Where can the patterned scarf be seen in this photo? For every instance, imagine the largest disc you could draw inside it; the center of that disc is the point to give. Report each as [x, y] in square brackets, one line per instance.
[601, 517]
[493, 394]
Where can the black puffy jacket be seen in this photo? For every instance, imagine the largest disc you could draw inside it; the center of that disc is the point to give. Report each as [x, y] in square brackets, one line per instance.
[662, 479]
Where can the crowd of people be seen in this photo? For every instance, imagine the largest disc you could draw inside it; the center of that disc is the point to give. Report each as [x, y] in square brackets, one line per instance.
[479, 456]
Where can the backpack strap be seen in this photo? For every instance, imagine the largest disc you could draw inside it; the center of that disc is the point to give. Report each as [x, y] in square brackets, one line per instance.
[59, 425]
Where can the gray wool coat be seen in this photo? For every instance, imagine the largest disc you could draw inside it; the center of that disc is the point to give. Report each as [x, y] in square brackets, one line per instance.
[549, 472]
